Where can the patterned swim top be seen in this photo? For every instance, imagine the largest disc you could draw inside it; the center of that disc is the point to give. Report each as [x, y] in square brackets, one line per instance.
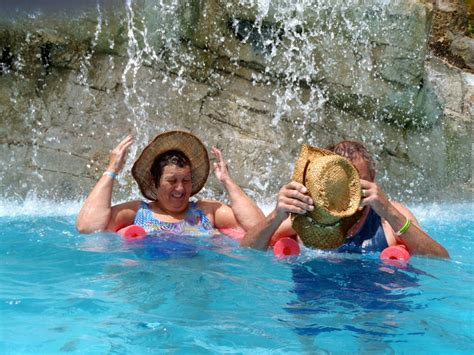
[195, 223]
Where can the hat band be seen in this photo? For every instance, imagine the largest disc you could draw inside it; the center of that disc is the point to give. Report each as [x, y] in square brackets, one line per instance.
[321, 225]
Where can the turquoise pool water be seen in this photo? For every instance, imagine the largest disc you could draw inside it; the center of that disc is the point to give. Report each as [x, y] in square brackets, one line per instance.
[62, 292]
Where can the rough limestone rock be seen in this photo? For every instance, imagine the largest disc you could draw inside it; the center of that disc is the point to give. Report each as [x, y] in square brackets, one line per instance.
[255, 81]
[463, 47]
[449, 36]
[368, 57]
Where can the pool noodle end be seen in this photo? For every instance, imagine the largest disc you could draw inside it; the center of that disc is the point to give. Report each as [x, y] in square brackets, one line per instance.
[132, 231]
[286, 247]
[395, 252]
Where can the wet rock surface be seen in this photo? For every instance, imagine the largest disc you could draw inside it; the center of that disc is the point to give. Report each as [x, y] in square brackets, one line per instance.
[255, 82]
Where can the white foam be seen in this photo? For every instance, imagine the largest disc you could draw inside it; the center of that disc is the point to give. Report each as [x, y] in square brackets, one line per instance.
[36, 207]
[447, 212]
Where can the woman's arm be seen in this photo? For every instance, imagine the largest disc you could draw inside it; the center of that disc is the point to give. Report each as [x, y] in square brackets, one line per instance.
[395, 215]
[97, 214]
[243, 210]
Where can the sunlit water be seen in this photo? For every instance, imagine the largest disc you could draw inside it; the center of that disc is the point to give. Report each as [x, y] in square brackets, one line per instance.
[66, 292]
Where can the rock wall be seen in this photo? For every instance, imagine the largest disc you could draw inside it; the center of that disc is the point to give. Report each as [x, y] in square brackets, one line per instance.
[257, 82]
[452, 31]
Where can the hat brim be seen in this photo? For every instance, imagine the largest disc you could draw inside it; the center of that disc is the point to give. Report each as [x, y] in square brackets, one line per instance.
[317, 235]
[307, 153]
[182, 141]
[315, 168]
[320, 236]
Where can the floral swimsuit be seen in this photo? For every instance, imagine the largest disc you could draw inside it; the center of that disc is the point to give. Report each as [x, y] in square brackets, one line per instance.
[195, 223]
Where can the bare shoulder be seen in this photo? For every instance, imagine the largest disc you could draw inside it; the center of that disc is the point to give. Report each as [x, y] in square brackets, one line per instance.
[221, 215]
[129, 205]
[210, 206]
[123, 214]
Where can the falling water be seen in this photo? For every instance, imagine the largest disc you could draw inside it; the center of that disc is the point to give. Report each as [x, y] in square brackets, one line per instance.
[310, 71]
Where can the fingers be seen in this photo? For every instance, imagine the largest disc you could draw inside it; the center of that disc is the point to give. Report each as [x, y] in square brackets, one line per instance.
[293, 198]
[117, 156]
[368, 188]
[295, 206]
[125, 143]
[373, 196]
[295, 190]
[293, 185]
[220, 164]
[297, 196]
[217, 153]
[366, 197]
[126, 140]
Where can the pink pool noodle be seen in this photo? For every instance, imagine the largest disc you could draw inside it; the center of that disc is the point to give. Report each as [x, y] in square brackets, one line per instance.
[132, 231]
[285, 247]
[395, 252]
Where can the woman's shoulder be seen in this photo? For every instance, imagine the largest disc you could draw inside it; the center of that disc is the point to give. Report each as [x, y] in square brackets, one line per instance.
[133, 205]
[208, 205]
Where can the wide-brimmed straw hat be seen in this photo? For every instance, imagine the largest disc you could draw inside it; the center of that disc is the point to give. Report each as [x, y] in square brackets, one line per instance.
[334, 185]
[184, 142]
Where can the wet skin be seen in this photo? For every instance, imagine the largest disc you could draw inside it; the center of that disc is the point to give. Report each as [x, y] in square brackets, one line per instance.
[174, 190]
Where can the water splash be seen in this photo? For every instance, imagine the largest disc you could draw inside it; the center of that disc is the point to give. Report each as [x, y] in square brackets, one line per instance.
[85, 63]
[290, 46]
[32, 206]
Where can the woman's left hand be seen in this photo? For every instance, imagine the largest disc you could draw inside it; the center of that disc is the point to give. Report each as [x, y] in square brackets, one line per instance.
[220, 167]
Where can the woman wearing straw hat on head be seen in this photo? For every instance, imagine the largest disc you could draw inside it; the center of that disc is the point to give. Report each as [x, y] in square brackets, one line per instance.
[334, 203]
[172, 168]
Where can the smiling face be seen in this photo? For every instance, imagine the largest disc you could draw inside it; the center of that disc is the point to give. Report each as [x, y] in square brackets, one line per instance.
[174, 188]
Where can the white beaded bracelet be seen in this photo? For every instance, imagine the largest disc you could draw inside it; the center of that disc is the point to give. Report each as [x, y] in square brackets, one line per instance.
[111, 174]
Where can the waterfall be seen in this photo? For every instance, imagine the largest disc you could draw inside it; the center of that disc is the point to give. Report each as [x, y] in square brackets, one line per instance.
[257, 78]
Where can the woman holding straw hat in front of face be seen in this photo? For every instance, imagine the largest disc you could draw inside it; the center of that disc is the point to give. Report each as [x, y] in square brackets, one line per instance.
[334, 203]
[172, 168]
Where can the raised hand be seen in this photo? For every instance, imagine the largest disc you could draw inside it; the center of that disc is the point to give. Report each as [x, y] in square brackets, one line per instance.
[292, 198]
[97, 213]
[220, 167]
[119, 154]
[373, 196]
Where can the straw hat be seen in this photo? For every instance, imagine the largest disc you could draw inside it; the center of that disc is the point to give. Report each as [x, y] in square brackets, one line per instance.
[185, 142]
[334, 185]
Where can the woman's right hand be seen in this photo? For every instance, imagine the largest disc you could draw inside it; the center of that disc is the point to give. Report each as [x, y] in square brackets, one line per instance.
[118, 155]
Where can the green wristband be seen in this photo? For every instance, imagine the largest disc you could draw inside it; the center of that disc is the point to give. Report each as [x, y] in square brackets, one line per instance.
[404, 228]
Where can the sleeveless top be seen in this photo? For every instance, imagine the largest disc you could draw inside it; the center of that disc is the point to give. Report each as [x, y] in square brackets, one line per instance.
[195, 222]
[370, 238]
